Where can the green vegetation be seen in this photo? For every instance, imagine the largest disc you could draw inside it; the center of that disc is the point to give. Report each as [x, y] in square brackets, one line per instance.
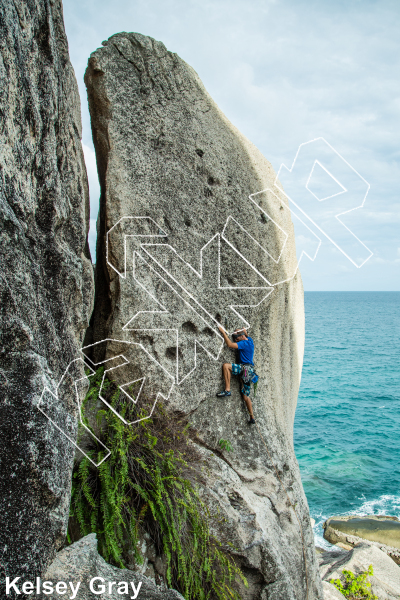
[255, 388]
[147, 486]
[225, 445]
[355, 588]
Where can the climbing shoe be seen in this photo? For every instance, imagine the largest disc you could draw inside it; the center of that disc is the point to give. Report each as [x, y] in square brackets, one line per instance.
[252, 421]
[223, 394]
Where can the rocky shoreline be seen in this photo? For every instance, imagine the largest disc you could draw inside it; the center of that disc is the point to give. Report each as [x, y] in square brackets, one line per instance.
[349, 552]
[359, 542]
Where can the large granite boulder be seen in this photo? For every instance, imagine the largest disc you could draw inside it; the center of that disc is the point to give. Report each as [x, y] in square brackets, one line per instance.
[81, 568]
[385, 581]
[193, 233]
[46, 281]
[381, 530]
[331, 592]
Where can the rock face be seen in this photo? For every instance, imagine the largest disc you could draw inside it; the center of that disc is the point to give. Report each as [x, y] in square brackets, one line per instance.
[331, 592]
[381, 530]
[385, 582]
[181, 245]
[46, 280]
[81, 564]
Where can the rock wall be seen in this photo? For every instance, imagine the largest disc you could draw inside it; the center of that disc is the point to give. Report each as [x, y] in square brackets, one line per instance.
[193, 232]
[81, 565]
[46, 280]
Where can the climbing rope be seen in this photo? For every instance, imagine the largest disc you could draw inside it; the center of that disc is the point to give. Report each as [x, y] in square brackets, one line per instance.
[294, 510]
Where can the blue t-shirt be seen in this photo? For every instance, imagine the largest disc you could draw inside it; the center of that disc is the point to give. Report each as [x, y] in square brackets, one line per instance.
[246, 351]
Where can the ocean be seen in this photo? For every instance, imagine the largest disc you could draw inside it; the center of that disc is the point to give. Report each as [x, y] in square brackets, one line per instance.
[347, 424]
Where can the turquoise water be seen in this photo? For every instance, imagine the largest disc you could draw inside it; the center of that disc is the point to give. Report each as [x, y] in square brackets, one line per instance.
[347, 425]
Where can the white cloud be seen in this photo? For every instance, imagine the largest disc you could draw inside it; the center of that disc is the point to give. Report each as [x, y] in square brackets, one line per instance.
[94, 186]
[92, 239]
[284, 72]
[94, 191]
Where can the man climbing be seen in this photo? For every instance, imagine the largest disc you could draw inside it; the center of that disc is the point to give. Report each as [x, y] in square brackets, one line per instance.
[245, 367]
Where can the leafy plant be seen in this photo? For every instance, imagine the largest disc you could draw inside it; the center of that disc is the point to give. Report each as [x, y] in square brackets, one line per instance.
[146, 485]
[355, 588]
[225, 445]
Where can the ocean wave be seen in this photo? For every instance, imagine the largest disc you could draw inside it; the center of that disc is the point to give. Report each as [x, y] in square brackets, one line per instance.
[386, 504]
[321, 542]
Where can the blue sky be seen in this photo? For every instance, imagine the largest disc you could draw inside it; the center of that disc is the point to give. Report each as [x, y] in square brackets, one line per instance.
[284, 72]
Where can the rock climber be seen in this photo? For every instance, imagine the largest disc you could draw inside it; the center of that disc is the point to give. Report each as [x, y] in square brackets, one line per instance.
[244, 367]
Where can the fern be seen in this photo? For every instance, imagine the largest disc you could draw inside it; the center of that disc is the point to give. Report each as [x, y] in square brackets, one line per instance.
[144, 486]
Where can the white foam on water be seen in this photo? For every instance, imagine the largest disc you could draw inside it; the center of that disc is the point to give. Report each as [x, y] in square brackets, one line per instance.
[318, 531]
[387, 504]
[321, 542]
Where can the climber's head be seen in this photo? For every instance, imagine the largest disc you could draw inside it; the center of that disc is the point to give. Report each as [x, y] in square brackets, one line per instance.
[239, 335]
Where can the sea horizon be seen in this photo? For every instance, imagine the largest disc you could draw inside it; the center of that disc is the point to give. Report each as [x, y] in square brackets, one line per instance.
[348, 413]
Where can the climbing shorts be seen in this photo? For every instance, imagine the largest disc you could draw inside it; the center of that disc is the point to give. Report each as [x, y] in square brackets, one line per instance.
[237, 370]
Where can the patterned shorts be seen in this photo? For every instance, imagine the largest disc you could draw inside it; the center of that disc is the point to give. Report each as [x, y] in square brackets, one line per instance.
[236, 370]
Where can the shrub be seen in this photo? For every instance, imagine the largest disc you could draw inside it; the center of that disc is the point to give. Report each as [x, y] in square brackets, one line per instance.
[355, 588]
[225, 445]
